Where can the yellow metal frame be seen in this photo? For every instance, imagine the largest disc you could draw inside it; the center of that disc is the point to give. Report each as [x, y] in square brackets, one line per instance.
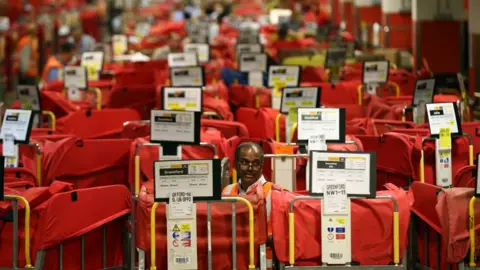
[362, 86]
[53, 119]
[471, 213]
[251, 227]
[277, 127]
[28, 261]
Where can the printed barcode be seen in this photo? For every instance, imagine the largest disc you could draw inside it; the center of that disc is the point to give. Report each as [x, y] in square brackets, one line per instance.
[181, 260]
[336, 256]
[445, 180]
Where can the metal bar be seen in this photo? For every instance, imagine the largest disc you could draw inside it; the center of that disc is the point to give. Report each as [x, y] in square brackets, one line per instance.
[15, 233]
[60, 256]
[40, 259]
[234, 236]
[427, 245]
[104, 246]
[209, 234]
[437, 250]
[136, 122]
[82, 238]
[133, 237]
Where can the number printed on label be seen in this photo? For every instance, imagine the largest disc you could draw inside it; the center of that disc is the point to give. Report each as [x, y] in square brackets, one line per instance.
[182, 260]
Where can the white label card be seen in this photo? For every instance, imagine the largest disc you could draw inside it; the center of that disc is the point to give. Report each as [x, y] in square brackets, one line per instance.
[255, 78]
[182, 243]
[175, 126]
[9, 145]
[424, 90]
[253, 62]
[375, 72]
[442, 115]
[193, 175]
[317, 142]
[187, 76]
[299, 97]
[182, 98]
[4, 23]
[248, 48]
[17, 123]
[182, 59]
[335, 199]
[311, 28]
[119, 44]
[29, 97]
[477, 178]
[181, 204]
[93, 62]
[289, 75]
[279, 15]
[75, 77]
[202, 51]
[74, 94]
[316, 121]
[353, 169]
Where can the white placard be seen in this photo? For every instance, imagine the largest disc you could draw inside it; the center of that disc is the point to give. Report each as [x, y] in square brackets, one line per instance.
[182, 242]
[193, 175]
[375, 72]
[29, 97]
[4, 23]
[182, 59]
[180, 204]
[17, 123]
[249, 48]
[311, 28]
[354, 169]
[75, 77]
[327, 121]
[182, 98]
[299, 97]
[187, 76]
[74, 94]
[93, 62]
[317, 143]
[443, 115]
[477, 178]
[255, 78]
[286, 75]
[173, 126]
[424, 90]
[336, 237]
[142, 29]
[9, 145]
[252, 62]
[335, 198]
[280, 15]
[202, 51]
[119, 44]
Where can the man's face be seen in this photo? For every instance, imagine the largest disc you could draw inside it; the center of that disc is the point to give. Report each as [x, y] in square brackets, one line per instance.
[249, 165]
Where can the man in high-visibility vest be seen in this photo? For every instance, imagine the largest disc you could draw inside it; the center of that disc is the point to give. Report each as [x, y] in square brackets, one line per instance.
[26, 57]
[56, 63]
[249, 166]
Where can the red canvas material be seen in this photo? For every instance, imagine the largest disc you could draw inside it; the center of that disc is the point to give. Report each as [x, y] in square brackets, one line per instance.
[244, 96]
[56, 218]
[259, 122]
[19, 178]
[465, 177]
[221, 229]
[106, 123]
[372, 241]
[86, 163]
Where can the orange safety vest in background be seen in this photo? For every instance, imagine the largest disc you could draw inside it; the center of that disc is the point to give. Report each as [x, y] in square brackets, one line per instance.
[32, 70]
[267, 187]
[51, 63]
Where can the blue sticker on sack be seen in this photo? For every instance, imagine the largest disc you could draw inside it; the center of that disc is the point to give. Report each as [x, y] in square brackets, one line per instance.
[340, 230]
[330, 229]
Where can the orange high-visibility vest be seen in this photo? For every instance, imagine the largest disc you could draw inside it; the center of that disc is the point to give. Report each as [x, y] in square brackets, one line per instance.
[267, 187]
[51, 63]
[32, 70]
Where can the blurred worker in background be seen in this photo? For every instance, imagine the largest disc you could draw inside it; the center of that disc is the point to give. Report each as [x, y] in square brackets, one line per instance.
[27, 57]
[83, 42]
[174, 44]
[56, 63]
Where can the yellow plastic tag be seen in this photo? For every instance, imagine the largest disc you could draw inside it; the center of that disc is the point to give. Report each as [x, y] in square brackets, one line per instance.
[445, 138]
[293, 115]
